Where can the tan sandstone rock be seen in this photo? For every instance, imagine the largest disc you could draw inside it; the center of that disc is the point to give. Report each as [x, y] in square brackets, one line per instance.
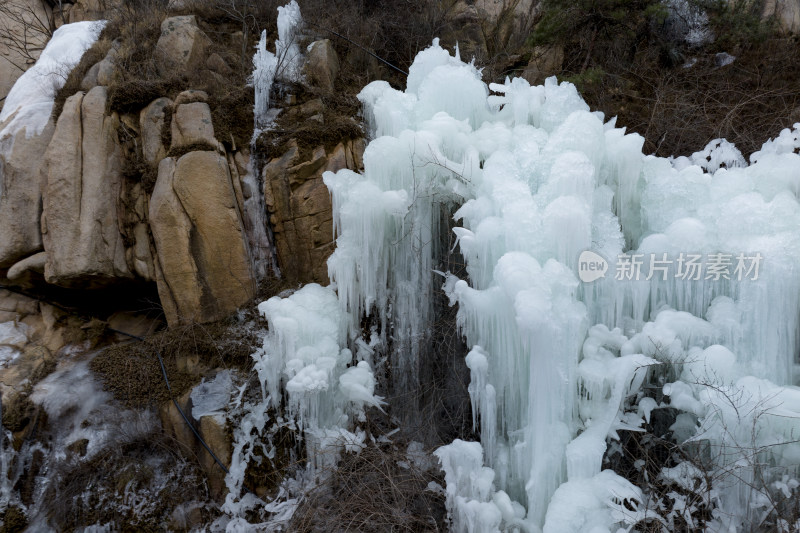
[151, 123]
[23, 175]
[203, 269]
[80, 223]
[192, 125]
[182, 45]
[322, 64]
[300, 207]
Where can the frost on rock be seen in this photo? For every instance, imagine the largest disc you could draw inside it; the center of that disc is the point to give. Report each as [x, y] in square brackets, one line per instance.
[303, 355]
[287, 48]
[688, 22]
[310, 383]
[264, 65]
[13, 338]
[30, 102]
[211, 398]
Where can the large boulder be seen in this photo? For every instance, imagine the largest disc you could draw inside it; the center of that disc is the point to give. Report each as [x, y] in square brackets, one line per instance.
[80, 223]
[192, 126]
[300, 207]
[203, 269]
[151, 124]
[106, 67]
[22, 178]
[182, 45]
[322, 64]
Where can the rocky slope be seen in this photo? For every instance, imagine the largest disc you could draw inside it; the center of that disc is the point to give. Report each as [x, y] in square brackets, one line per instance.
[141, 204]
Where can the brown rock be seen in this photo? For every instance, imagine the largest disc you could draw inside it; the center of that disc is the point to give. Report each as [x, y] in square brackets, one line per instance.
[212, 429]
[216, 64]
[182, 45]
[300, 208]
[132, 323]
[151, 123]
[322, 64]
[80, 223]
[191, 125]
[204, 270]
[545, 61]
[191, 96]
[214, 434]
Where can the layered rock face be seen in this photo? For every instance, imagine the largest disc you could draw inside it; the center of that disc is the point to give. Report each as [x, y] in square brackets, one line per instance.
[300, 207]
[80, 223]
[74, 215]
[204, 264]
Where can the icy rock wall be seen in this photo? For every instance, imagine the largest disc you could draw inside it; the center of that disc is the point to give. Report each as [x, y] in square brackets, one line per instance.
[284, 64]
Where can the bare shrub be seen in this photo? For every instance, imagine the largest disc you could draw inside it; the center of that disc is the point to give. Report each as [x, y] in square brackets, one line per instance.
[375, 490]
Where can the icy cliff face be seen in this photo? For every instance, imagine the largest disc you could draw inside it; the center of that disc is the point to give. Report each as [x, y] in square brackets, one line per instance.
[590, 265]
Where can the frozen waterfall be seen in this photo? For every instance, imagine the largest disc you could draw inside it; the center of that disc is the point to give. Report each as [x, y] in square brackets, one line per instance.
[592, 270]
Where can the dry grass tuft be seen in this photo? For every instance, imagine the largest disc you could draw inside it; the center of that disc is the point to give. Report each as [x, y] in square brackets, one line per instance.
[376, 490]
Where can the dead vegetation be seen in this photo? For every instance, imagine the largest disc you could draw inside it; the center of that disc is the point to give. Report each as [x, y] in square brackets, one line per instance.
[380, 490]
[132, 373]
[137, 485]
[630, 64]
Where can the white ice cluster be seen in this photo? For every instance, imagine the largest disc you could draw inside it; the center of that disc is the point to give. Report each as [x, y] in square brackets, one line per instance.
[30, 102]
[310, 382]
[285, 63]
[557, 365]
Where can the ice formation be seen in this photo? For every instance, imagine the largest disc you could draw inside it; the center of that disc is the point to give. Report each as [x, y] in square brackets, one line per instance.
[268, 67]
[689, 281]
[13, 338]
[304, 364]
[700, 256]
[30, 101]
[285, 63]
[211, 398]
